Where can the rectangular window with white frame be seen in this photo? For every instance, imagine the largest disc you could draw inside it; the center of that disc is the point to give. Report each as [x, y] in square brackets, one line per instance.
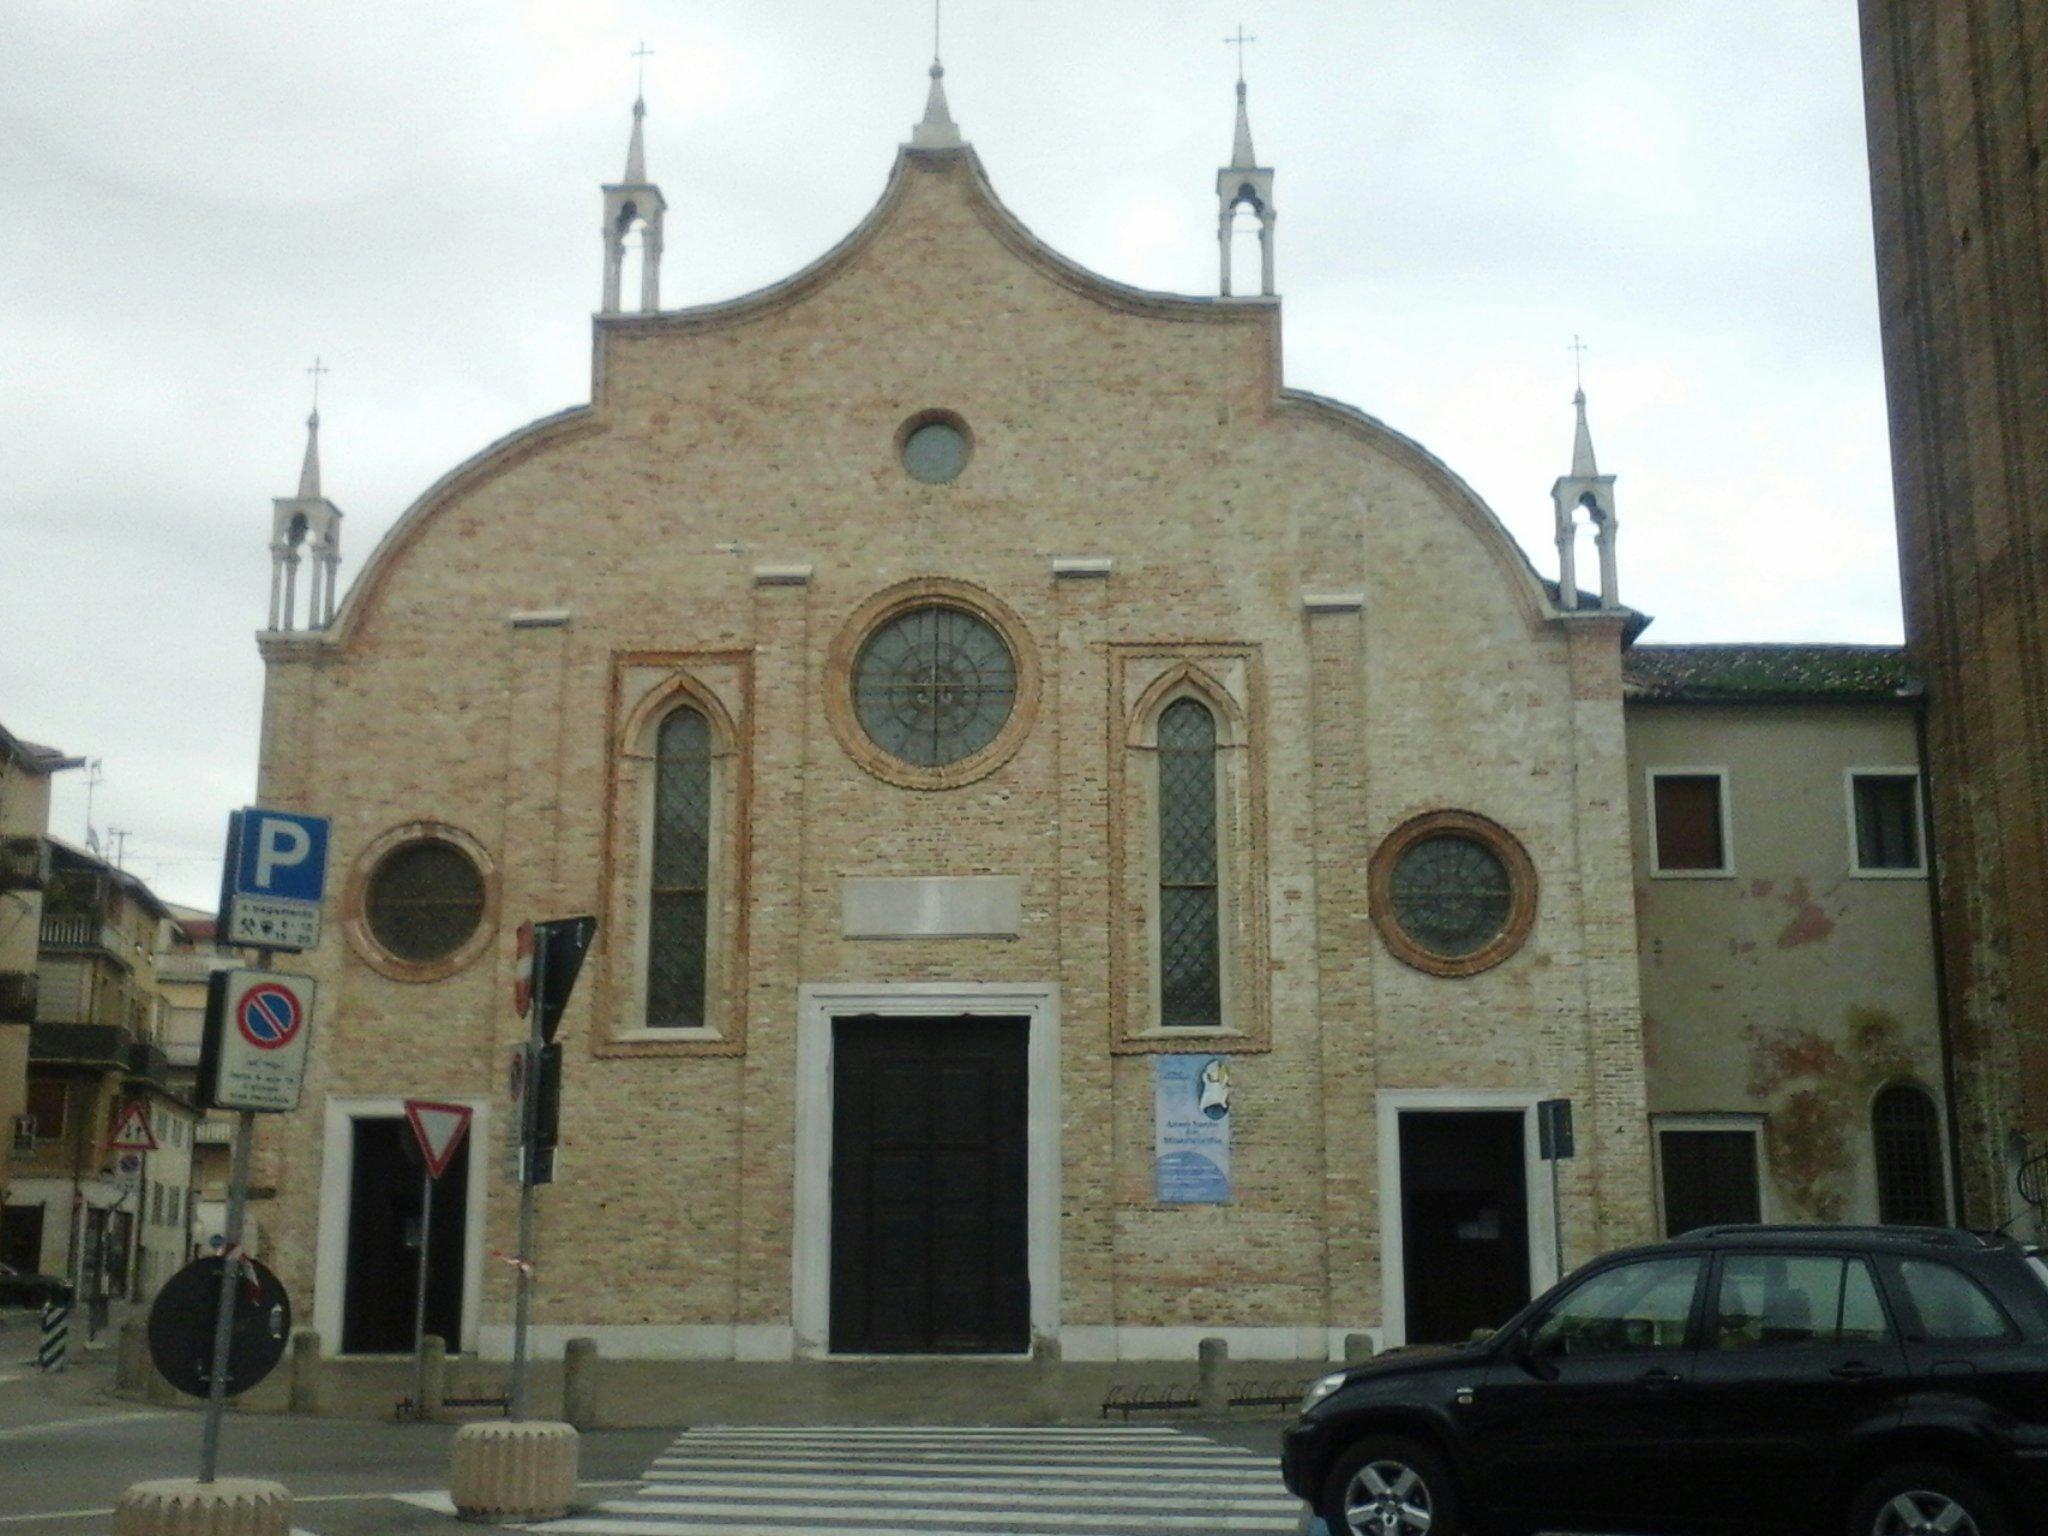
[1709, 1170]
[1689, 823]
[1886, 839]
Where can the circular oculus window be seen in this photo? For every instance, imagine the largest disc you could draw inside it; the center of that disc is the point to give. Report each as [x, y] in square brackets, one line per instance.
[934, 685]
[423, 901]
[935, 451]
[1453, 893]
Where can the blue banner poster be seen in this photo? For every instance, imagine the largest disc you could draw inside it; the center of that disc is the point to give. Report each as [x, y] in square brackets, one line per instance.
[1191, 1100]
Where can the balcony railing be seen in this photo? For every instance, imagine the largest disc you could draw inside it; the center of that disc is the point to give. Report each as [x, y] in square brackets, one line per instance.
[83, 933]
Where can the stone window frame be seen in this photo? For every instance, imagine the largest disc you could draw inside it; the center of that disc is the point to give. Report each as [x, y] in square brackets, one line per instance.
[1225, 677]
[719, 686]
[355, 918]
[1857, 868]
[1523, 891]
[1726, 871]
[868, 619]
[1752, 1123]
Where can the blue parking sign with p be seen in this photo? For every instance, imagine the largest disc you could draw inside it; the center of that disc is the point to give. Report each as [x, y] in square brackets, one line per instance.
[275, 875]
[283, 856]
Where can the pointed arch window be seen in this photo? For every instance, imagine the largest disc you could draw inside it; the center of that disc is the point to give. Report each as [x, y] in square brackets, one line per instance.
[678, 898]
[1190, 951]
[1907, 1131]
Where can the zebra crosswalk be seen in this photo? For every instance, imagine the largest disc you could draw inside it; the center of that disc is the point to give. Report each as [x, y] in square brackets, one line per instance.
[1067, 1481]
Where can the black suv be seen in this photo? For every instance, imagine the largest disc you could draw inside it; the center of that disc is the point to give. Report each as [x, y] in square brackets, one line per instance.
[1869, 1380]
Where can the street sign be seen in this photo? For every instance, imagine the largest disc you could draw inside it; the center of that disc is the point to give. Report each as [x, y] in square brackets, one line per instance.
[439, 1129]
[1554, 1129]
[275, 875]
[128, 1170]
[181, 1326]
[252, 1053]
[132, 1133]
[559, 946]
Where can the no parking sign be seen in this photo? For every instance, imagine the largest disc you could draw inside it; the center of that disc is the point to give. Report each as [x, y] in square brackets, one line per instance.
[253, 1054]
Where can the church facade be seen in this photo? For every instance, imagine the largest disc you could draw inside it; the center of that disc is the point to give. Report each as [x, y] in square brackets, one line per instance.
[1091, 847]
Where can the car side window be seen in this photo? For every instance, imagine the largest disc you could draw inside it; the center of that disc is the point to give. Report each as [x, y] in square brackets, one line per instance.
[1948, 1305]
[1770, 1300]
[1630, 1309]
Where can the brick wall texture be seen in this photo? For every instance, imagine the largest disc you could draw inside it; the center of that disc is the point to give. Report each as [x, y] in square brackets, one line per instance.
[1957, 96]
[1106, 423]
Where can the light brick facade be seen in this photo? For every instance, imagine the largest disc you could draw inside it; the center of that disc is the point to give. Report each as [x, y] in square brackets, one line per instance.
[709, 525]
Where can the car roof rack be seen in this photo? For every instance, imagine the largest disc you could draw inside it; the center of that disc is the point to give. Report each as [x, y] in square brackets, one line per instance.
[1933, 1237]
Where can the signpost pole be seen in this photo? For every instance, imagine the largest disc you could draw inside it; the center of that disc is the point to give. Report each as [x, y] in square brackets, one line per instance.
[419, 1303]
[1556, 1218]
[529, 1120]
[224, 1319]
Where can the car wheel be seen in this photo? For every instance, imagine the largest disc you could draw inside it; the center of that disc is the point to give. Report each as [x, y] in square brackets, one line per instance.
[1926, 1496]
[1390, 1487]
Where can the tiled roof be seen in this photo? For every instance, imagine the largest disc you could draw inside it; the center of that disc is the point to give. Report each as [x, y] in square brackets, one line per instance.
[1702, 674]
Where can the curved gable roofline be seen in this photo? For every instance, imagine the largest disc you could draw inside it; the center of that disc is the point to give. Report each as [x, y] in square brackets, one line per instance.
[471, 472]
[994, 215]
[1533, 594]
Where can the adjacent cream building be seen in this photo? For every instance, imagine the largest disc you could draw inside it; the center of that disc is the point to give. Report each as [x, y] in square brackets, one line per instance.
[1092, 847]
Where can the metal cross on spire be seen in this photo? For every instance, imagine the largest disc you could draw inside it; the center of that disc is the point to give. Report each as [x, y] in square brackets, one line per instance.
[642, 54]
[938, 17]
[316, 370]
[1240, 40]
[1578, 350]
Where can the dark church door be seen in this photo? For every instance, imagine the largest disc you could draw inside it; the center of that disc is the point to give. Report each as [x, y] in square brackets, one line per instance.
[928, 1187]
[1464, 1221]
[383, 1242]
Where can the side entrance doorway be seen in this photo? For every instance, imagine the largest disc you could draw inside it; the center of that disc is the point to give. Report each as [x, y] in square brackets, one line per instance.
[928, 1186]
[384, 1214]
[1464, 1221]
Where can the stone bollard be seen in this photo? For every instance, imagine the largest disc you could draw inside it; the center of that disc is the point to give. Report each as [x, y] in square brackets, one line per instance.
[132, 1366]
[1212, 1390]
[579, 1383]
[433, 1379]
[184, 1506]
[1048, 1377]
[512, 1470]
[305, 1396]
[1357, 1348]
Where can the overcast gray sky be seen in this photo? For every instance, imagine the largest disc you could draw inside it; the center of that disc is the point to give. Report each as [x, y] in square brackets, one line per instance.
[196, 198]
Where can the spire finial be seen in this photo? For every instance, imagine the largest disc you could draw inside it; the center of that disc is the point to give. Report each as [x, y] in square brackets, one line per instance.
[1241, 155]
[937, 130]
[938, 16]
[636, 146]
[309, 469]
[641, 54]
[1583, 466]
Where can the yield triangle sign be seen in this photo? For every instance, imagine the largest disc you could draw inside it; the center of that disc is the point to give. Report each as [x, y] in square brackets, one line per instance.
[133, 1134]
[439, 1129]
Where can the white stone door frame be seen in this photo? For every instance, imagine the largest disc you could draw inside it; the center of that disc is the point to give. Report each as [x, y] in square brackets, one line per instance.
[1392, 1103]
[337, 1180]
[811, 1244]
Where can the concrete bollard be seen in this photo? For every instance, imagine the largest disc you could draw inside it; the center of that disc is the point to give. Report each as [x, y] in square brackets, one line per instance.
[305, 1394]
[1357, 1348]
[1048, 1376]
[434, 1379]
[513, 1470]
[579, 1383]
[184, 1506]
[1212, 1388]
[132, 1365]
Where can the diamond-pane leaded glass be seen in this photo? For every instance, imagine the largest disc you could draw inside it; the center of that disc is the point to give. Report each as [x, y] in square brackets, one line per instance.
[425, 900]
[682, 865]
[1190, 970]
[1451, 895]
[934, 685]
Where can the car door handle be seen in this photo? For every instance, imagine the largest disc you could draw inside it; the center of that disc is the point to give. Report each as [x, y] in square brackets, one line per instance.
[1856, 1370]
[1659, 1377]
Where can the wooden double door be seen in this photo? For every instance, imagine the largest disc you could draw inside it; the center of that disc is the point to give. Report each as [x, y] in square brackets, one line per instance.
[929, 1246]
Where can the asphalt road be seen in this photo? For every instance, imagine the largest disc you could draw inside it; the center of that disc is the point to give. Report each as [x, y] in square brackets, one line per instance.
[68, 1449]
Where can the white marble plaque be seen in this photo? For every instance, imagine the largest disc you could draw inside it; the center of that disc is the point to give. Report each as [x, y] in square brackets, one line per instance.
[931, 907]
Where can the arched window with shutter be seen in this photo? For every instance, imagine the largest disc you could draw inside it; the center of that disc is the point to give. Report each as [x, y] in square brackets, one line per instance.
[1190, 952]
[678, 897]
[1906, 1130]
